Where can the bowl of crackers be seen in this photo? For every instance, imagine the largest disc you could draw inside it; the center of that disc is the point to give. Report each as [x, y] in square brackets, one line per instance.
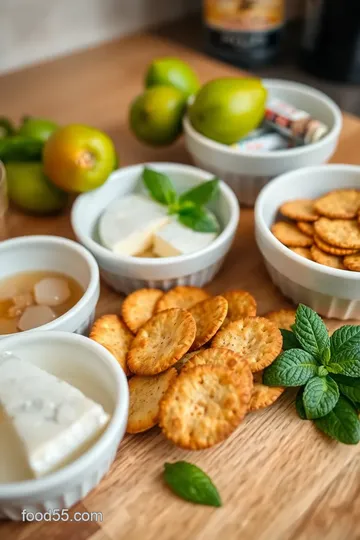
[308, 230]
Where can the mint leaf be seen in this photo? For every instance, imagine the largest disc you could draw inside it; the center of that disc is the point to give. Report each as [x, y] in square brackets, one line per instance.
[322, 371]
[292, 368]
[311, 332]
[289, 340]
[191, 483]
[299, 404]
[200, 220]
[346, 362]
[349, 387]
[160, 186]
[320, 397]
[201, 194]
[346, 337]
[342, 423]
[326, 356]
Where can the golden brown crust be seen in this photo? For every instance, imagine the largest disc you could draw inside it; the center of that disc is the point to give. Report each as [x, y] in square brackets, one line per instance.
[303, 252]
[113, 334]
[219, 357]
[184, 360]
[306, 227]
[289, 235]
[240, 304]
[256, 339]
[333, 250]
[262, 395]
[139, 306]
[145, 396]
[344, 233]
[352, 262]
[204, 406]
[184, 297]
[209, 315]
[283, 318]
[334, 261]
[161, 342]
[299, 210]
[339, 204]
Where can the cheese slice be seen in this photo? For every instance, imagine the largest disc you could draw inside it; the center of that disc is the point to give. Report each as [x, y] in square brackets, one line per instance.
[128, 224]
[54, 421]
[176, 239]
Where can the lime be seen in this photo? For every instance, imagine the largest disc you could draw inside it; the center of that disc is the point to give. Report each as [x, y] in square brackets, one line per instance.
[172, 72]
[31, 191]
[156, 115]
[225, 110]
[37, 128]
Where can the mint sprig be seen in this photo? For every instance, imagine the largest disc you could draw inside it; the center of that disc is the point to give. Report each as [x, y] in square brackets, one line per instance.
[327, 370]
[191, 483]
[189, 206]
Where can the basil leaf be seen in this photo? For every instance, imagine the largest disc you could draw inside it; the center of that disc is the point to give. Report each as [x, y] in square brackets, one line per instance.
[342, 423]
[346, 337]
[289, 340]
[320, 396]
[348, 386]
[311, 331]
[191, 483]
[346, 362]
[160, 186]
[292, 368]
[299, 404]
[200, 220]
[201, 194]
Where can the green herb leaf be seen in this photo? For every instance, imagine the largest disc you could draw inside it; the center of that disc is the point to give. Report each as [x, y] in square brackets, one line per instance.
[326, 356]
[320, 397]
[289, 340]
[160, 186]
[311, 332]
[348, 386]
[292, 368]
[346, 337]
[346, 362]
[201, 194]
[322, 371]
[200, 220]
[191, 483]
[299, 404]
[342, 423]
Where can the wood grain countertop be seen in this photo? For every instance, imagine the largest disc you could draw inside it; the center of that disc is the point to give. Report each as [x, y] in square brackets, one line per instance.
[279, 478]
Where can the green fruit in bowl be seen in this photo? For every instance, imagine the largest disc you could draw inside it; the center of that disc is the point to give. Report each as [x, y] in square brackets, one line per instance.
[225, 110]
[37, 128]
[171, 71]
[156, 115]
[30, 190]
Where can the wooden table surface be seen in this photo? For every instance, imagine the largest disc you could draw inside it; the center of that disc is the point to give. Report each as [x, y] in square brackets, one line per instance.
[279, 478]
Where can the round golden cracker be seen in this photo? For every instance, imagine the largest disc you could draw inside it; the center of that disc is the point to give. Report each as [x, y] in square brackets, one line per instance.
[183, 297]
[145, 396]
[240, 304]
[306, 227]
[113, 334]
[204, 406]
[352, 262]
[184, 360]
[256, 339]
[283, 318]
[219, 357]
[161, 342]
[328, 248]
[209, 315]
[344, 233]
[303, 252]
[339, 204]
[139, 307]
[289, 235]
[262, 395]
[334, 261]
[299, 210]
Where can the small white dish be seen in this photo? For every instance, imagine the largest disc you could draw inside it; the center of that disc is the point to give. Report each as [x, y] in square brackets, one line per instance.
[93, 370]
[247, 172]
[38, 253]
[126, 274]
[331, 292]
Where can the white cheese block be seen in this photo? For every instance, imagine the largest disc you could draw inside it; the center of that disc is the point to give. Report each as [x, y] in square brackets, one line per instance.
[53, 420]
[128, 224]
[176, 239]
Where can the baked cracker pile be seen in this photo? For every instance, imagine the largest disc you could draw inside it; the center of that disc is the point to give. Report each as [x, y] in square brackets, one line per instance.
[324, 230]
[194, 361]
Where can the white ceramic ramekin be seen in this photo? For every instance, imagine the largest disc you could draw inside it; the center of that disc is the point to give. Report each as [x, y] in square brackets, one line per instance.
[247, 172]
[126, 274]
[331, 292]
[90, 367]
[35, 253]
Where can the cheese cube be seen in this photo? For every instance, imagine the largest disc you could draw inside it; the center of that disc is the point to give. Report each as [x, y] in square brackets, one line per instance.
[176, 239]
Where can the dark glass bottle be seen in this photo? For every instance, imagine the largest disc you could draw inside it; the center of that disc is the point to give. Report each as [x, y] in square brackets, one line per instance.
[331, 40]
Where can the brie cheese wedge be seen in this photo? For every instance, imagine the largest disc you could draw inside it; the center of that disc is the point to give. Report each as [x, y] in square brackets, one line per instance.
[176, 239]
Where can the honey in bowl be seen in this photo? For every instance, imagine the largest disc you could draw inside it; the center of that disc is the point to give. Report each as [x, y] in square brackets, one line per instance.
[31, 299]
